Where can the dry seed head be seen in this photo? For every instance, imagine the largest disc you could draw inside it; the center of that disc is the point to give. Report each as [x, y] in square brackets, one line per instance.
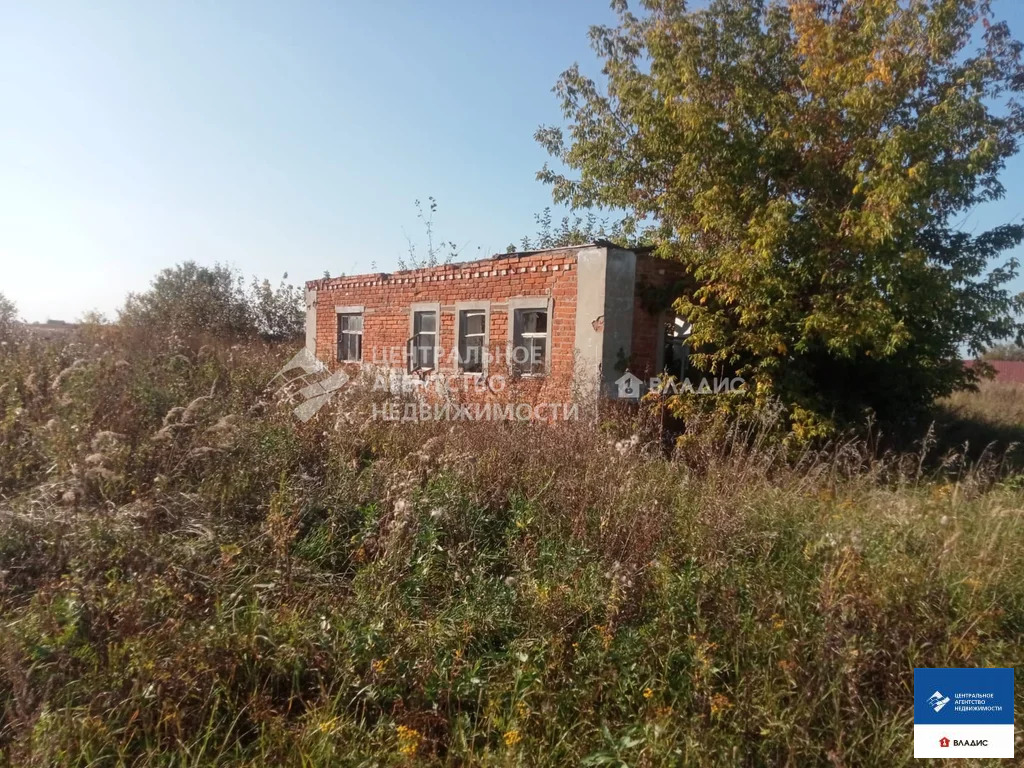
[173, 415]
[107, 439]
[101, 473]
[60, 377]
[194, 408]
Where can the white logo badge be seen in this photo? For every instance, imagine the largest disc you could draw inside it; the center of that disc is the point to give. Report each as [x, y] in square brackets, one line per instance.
[938, 701]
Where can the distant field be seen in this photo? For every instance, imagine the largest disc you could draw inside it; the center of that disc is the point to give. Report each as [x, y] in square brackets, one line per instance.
[192, 577]
[996, 402]
[994, 415]
[49, 330]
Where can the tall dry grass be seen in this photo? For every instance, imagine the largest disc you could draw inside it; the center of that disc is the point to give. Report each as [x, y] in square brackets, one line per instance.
[192, 577]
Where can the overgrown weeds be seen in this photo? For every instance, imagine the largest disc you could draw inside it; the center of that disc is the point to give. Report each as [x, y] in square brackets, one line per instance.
[190, 576]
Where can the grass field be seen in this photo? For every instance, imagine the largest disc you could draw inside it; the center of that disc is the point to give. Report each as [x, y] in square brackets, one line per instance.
[191, 577]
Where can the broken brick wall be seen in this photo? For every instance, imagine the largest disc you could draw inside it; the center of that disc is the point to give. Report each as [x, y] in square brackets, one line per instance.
[387, 301]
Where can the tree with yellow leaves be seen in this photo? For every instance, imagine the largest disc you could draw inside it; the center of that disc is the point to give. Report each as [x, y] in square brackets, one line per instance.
[808, 162]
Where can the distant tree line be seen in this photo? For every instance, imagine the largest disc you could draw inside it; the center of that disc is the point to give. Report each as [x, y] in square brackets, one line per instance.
[1013, 352]
[8, 317]
[189, 298]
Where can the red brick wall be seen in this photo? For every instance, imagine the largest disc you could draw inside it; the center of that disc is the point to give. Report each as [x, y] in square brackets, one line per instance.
[387, 299]
[647, 329]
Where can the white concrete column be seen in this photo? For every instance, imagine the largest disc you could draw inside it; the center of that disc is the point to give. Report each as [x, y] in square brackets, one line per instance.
[605, 286]
[311, 321]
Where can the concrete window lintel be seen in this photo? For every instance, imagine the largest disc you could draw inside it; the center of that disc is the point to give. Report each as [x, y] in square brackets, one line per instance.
[530, 302]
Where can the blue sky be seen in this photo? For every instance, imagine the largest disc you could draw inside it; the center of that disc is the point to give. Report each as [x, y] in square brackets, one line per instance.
[278, 136]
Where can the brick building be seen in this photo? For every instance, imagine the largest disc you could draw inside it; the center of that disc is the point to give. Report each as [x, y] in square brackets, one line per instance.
[557, 323]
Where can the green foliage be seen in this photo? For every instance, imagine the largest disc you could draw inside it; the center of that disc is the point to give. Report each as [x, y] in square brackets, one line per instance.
[8, 318]
[808, 162]
[571, 230]
[190, 299]
[437, 251]
[278, 313]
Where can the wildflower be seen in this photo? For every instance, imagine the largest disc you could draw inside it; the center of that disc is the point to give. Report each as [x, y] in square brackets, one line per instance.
[777, 621]
[512, 738]
[703, 654]
[720, 703]
[408, 740]
[326, 726]
[379, 665]
[648, 693]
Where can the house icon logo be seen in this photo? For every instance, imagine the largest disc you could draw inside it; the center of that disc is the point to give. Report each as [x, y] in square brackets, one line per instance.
[937, 701]
[628, 386]
[943, 742]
